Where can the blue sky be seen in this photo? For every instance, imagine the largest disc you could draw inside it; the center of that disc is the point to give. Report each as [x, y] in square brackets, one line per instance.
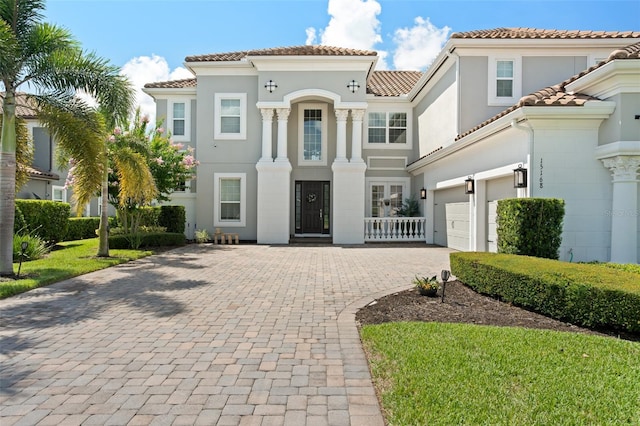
[150, 38]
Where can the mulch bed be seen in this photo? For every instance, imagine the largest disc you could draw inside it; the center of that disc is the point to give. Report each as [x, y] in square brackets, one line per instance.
[463, 305]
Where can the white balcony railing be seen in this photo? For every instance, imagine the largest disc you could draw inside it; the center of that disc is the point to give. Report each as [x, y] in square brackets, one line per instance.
[394, 229]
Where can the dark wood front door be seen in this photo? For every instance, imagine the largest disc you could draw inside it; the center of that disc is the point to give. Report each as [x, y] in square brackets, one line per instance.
[312, 207]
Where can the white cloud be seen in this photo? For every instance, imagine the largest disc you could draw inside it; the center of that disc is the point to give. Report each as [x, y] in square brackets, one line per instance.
[419, 45]
[144, 69]
[353, 24]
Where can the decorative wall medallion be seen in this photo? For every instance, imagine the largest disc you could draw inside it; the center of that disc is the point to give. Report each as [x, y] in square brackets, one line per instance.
[311, 197]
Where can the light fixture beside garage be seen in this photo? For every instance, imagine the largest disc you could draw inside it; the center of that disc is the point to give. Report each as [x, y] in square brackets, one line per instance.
[469, 186]
[423, 194]
[520, 177]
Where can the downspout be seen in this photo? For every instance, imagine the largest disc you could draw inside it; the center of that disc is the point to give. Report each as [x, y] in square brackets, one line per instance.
[530, 158]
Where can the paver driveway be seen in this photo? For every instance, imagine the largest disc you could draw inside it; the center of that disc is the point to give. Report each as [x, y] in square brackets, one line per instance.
[217, 335]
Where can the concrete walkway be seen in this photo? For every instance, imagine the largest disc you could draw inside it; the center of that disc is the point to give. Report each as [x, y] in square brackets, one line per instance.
[212, 335]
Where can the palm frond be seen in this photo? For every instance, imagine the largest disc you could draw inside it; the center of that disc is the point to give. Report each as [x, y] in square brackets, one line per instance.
[21, 14]
[136, 184]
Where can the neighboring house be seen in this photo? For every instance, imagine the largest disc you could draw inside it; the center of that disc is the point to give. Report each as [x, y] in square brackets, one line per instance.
[311, 141]
[46, 180]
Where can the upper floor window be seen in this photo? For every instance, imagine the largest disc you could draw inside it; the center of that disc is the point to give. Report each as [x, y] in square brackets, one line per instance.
[179, 120]
[312, 139]
[390, 129]
[230, 116]
[505, 81]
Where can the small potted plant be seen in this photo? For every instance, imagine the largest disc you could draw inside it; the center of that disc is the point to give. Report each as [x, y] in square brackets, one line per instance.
[426, 286]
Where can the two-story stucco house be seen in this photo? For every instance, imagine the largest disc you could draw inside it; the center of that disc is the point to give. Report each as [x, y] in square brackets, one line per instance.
[312, 141]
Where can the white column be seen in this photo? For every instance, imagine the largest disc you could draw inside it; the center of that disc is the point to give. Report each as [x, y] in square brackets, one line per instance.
[267, 125]
[480, 216]
[357, 116]
[341, 136]
[283, 120]
[624, 208]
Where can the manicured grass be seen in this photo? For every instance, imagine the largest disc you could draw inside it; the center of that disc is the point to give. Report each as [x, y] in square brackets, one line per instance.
[69, 259]
[445, 374]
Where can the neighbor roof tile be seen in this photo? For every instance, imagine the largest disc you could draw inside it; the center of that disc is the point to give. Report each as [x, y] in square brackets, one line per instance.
[392, 83]
[172, 84]
[519, 33]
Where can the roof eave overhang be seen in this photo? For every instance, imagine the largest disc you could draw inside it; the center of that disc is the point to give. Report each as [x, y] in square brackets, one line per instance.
[314, 63]
[592, 110]
[169, 91]
[618, 76]
[241, 67]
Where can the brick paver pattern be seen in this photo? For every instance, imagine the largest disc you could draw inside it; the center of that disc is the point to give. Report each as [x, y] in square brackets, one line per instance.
[205, 334]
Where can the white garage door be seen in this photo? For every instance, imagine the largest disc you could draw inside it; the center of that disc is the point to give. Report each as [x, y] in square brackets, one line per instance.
[492, 227]
[457, 215]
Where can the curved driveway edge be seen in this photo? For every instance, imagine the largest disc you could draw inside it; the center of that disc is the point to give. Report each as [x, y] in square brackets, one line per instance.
[205, 334]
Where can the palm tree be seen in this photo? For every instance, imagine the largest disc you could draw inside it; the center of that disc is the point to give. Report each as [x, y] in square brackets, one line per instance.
[52, 62]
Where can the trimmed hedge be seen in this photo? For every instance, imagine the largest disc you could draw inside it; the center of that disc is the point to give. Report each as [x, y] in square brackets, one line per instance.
[47, 219]
[530, 226]
[582, 294]
[81, 228]
[156, 239]
[173, 218]
[19, 224]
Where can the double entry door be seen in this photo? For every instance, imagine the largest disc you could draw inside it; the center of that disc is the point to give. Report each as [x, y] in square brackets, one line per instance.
[313, 208]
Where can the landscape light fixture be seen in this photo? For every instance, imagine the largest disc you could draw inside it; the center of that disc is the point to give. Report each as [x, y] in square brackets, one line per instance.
[520, 177]
[353, 86]
[23, 248]
[445, 275]
[423, 194]
[270, 86]
[469, 186]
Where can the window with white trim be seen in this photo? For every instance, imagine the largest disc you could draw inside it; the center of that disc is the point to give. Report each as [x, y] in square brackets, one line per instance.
[179, 119]
[387, 128]
[312, 134]
[58, 193]
[385, 197]
[230, 116]
[505, 80]
[230, 206]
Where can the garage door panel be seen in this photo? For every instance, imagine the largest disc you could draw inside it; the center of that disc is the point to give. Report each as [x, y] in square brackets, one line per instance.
[457, 215]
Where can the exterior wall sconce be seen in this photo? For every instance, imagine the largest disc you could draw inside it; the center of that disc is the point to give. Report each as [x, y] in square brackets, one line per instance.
[520, 177]
[270, 86]
[423, 194]
[353, 86]
[469, 185]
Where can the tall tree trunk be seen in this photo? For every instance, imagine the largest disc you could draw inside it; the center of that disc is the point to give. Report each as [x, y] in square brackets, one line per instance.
[7, 182]
[103, 230]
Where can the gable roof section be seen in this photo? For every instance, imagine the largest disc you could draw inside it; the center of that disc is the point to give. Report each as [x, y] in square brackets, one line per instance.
[392, 83]
[172, 84]
[527, 33]
[557, 95]
[25, 106]
[307, 50]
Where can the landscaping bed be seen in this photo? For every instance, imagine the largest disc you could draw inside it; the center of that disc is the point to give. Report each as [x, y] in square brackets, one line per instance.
[463, 305]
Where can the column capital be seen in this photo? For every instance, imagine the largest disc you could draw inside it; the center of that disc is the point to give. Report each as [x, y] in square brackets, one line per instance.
[624, 168]
[283, 113]
[342, 114]
[357, 114]
[267, 114]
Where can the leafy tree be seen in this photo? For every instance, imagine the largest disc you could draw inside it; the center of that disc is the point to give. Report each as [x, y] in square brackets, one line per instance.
[54, 65]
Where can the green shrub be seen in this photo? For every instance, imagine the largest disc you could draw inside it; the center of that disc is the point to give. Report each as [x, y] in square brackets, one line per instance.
[202, 236]
[160, 239]
[19, 224]
[47, 219]
[173, 218]
[81, 228]
[582, 294]
[36, 248]
[530, 226]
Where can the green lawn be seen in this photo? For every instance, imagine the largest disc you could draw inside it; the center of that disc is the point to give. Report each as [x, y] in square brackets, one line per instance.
[454, 374]
[69, 259]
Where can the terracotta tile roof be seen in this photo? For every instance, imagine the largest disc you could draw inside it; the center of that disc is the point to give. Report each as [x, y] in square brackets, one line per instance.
[25, 106]
[556, 95]
[281, 51]
[35, 172]
[519, 33]
[173, 84]
[392, 83]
